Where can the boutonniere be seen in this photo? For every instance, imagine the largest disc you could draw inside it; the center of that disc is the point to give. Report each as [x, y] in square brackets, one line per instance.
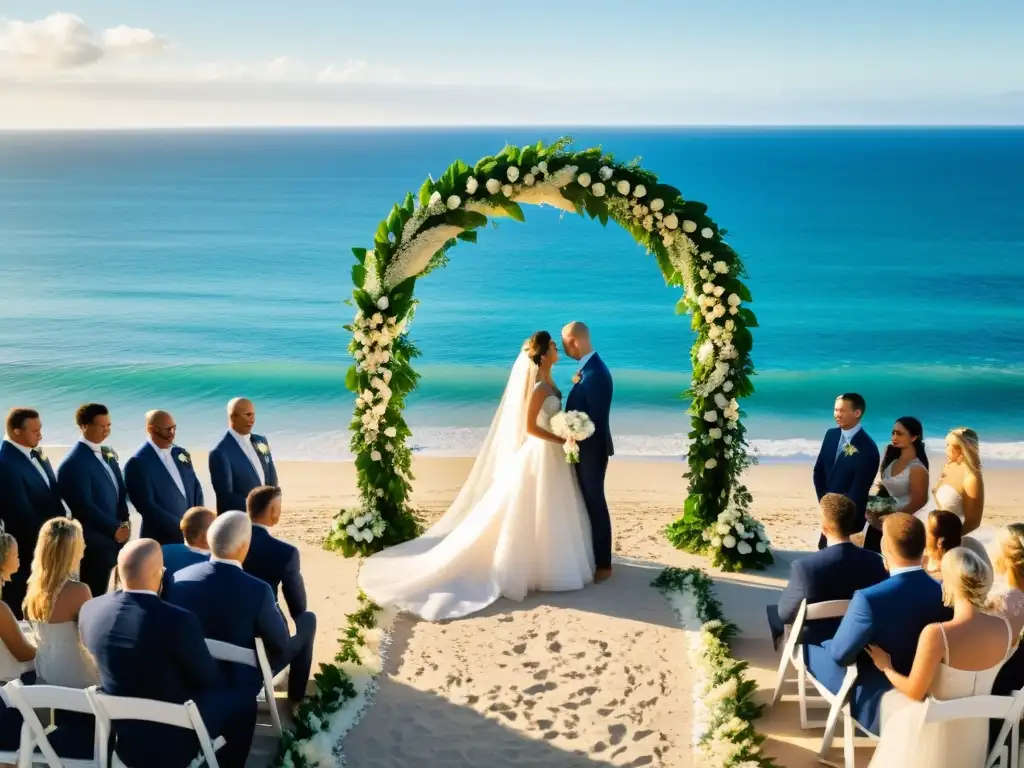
[108, 453]
[184, 458]
[263, 448]
[577, 378]
[41, 455]
[850, 449]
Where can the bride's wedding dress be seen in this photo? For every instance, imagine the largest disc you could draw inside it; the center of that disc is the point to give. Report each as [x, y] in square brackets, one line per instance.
[518, 525]
[948, 498]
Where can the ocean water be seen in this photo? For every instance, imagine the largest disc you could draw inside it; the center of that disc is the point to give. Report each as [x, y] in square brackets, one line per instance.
[180, 269]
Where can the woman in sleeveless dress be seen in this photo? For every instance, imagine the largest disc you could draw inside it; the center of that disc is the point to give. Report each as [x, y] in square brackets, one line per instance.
[903, 476]
[15, 650]
[954, 659]
[518, 525]
[52, 601]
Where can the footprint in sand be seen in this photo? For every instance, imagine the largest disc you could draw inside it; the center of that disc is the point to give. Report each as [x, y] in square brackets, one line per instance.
[616, 732]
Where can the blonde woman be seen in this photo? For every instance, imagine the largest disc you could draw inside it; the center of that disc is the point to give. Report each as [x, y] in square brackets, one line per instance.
[52, 602]
[1009, 566]
[15, 649]
[955, 659]
[961, 488]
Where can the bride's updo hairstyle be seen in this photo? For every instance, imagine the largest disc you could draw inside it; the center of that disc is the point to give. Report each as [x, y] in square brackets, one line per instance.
[537, 346]
[966, 439]
[1009, 560]
[965, 575]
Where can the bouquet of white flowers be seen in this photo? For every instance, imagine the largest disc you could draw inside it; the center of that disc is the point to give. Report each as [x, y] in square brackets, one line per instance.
[573, 426]
[878, 507]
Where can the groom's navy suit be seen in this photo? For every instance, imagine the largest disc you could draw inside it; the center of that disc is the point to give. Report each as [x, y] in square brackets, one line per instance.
[156, 496]
[850, 475]
[891, 615]
[593, 396]
[26, 502]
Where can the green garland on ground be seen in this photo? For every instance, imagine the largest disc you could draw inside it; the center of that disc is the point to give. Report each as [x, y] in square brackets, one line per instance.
[730, 739]
[689, 250]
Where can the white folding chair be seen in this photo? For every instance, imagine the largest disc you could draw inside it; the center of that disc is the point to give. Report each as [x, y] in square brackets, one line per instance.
[35, 747]
[109, 708]
[793, 656]
[839, 706]
[11, 758]
[258, 659]
[1005, 708]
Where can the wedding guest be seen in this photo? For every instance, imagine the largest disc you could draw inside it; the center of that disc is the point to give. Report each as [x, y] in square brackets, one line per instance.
[904, 474]
[235, 607]
[150, 649]
[833, 573]
[241, 461]
[891, 615]
[270, 559]
[15, 648]
[848, 458]
[956, 658]
[942, 533]
[961, 488]
[161, 481]
[1008, 600]
[195, 549]
[90, 482]
[29, 492]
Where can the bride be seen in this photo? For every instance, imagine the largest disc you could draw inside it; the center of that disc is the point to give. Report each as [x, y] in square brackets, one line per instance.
[519, 523]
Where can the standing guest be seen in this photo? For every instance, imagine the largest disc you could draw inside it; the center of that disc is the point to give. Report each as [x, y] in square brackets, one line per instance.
[29, 495]
[161, 481]
[91, 483]
[889, 615]
[904, 474]
[235, 607]
[241, 461]
[195, 549]
[149, 649]
[833, 573]
[270, 559]
[961, 488]
[848, 458]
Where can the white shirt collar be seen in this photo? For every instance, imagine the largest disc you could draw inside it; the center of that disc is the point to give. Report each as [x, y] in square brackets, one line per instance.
[157, 448]
[849, 433]
[96, 447]
[140, 592]
[261, 525]
[215, 559]
[240, 437]
[586, 359]
[906, 569]
[199, 551]
[20, 447]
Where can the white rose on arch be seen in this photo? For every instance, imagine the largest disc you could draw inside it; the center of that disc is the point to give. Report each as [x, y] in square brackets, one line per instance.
[639, 191]
[454, 202]
[583, 179]
[472, 185]
[605, 173]
[597, 189]
[622, 187]
[383, 303]
[493, 186]
[435, 198]
[711, 417]
[657, 204]
[671, 221]
[689, 226]
[512, 174]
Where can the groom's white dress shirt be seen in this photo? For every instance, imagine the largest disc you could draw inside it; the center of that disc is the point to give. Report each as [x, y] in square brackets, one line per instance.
[245, 443]
[97, 450]
[905, 569]
[168, 461]
[584, 360]
[35, 462]
[215, 559]
[845, 438]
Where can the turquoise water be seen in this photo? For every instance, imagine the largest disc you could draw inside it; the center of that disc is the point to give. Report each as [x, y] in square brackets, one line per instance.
[178, 270]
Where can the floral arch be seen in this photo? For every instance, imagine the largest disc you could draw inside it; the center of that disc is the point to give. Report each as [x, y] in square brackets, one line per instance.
[690, 250]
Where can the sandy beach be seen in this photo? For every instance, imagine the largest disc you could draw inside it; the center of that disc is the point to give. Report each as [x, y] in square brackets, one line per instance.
[592, 678]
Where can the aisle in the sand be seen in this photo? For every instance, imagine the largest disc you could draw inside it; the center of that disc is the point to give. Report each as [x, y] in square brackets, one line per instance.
[590, 678]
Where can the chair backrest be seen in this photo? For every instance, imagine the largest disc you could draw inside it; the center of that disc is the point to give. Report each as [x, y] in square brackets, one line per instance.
[235, 653]
[969, 708]
[829, 609]
[30, 698]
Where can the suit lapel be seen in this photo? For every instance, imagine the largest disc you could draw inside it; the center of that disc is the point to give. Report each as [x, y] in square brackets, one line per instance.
[243, 458]
[831, 446]
[28, 468]
[186, 471]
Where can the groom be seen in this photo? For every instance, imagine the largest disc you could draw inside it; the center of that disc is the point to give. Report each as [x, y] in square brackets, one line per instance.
[848, 462]
[591, 393]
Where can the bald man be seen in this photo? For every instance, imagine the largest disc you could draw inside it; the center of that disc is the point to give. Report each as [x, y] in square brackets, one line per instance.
[592, 393]
[161, 480]
[241, 461]
[147, 648]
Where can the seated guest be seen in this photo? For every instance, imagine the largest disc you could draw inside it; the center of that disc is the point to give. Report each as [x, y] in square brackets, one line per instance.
[954, 659]
[236, 608]
[891, 615]
[241, 461]
[833, 573]
[943, 533]
[194, 525]
[149, 649]
[270, 559]
[15, 649]
[1008, 600]
[161, 481]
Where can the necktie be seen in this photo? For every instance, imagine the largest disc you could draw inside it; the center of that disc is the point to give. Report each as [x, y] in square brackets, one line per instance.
[37, 455]
[842, 444]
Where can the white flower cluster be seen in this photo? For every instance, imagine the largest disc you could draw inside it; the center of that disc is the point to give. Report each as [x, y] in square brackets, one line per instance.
[574, 424]
[360, 524]
[738, 529]
[726, 742]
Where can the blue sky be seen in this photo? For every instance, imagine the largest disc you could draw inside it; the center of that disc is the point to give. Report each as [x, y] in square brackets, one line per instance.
[677, 62]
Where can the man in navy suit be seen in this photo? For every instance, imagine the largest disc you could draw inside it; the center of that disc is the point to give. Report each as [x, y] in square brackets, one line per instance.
[890, 614]
[161, 481]
[591, 393]
[29, 495]
[195, 549]
[149, 649]
[235, 607]
[241, 461]
[833, 573]
[848, 460]
[90, 481]
[274, 561]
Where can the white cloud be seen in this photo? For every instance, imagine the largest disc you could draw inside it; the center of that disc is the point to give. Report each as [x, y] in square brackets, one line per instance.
[63, 41]
[351, 71]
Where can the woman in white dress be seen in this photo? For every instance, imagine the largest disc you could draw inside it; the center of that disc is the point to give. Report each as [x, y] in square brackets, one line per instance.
[903, 477]
[518, 525]
[955, 659]
[15, 649]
